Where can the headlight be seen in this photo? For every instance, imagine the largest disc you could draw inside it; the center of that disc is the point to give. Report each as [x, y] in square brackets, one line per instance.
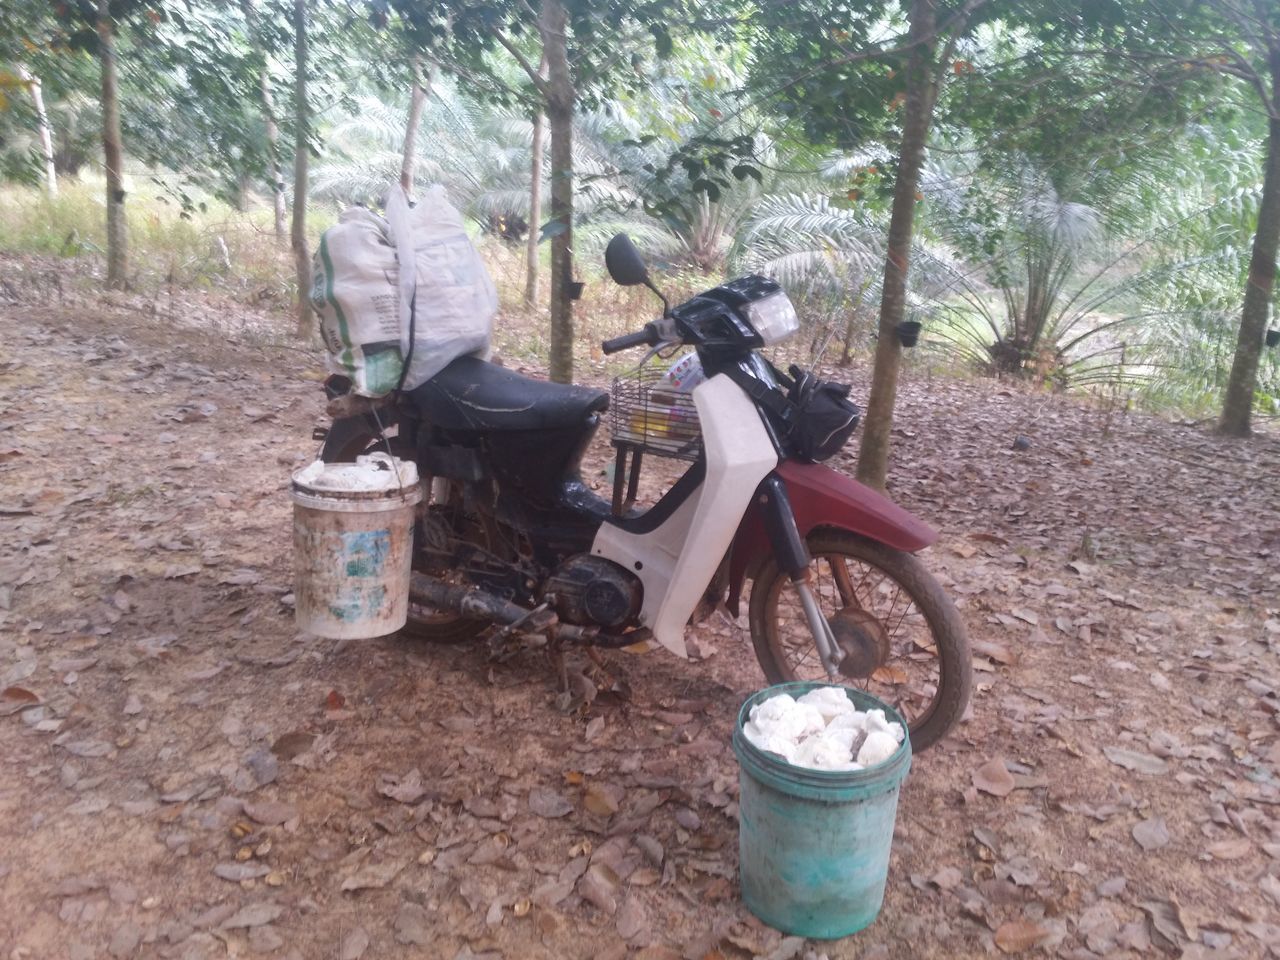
[773, 317]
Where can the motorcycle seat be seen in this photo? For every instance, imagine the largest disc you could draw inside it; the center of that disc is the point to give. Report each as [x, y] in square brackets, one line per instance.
[475, 395]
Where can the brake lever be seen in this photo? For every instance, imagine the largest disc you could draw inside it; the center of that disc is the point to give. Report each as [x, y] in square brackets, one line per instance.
[656, 350]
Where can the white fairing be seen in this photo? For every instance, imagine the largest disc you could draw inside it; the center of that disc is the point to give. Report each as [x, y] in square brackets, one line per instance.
[679, 558]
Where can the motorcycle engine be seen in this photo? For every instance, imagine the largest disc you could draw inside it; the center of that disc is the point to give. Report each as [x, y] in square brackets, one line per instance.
[595, 590]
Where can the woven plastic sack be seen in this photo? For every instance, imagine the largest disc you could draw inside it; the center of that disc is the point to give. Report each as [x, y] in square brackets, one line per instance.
[448, 300]
[355, 292]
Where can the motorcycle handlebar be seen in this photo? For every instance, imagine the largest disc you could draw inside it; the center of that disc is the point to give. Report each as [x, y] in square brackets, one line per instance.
[646, 337]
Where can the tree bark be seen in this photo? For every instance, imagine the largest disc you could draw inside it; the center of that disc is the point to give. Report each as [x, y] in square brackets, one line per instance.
[553, 24]
[417, 101]
[298, 230]
[1237, 405]
[112, 153]
[269, 121]
[921, 93]
[45, 134]
[535, 214]
[273, 150]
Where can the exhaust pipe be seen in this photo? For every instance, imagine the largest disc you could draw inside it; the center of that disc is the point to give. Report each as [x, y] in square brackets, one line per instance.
[476, 604]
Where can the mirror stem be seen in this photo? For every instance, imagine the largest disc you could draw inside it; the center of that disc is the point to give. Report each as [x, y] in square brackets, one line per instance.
[666, 306]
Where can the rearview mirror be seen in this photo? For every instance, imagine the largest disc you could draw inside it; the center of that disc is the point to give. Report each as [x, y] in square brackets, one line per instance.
[624, 262]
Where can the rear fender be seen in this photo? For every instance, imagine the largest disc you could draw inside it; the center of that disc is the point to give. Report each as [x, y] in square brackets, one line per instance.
[822, 497]
[348, 437]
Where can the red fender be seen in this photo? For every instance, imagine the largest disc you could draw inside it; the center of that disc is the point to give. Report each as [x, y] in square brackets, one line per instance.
[822, 497]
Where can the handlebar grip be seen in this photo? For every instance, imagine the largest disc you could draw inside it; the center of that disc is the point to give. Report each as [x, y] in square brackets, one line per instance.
[628, 340]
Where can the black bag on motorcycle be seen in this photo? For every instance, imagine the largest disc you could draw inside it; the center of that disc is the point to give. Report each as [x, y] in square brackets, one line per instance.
[824, 417]
[815, 417]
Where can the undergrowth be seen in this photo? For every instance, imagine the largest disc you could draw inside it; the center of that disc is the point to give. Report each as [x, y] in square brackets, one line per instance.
[235, 253]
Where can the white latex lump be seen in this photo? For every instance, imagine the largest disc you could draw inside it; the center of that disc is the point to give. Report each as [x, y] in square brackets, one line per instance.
[822, 730]
[371, 473]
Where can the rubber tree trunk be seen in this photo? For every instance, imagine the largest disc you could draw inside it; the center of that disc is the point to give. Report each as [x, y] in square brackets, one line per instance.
[45, 133]
[417, 100]
[873, 454]
[535, 215]
[553, 23]
[112, 153]
[273, 151]
[1237, 405]
[267, 102]
[298, 229]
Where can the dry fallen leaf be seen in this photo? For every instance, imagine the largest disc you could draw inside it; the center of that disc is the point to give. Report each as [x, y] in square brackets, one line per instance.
[890, 674]
[1136, 760]
[545, 802]
[406, 789]
[603, 799]
[270, 812]
[1168, 926]
[1151, 834]
[994, 778]
[16, 699]
[1232, 849]
[373, 875]
[599, 887]
[947, 878]
[632, 919]
[293, 744]
[253, 915]
[354, 944]
[1016, 936]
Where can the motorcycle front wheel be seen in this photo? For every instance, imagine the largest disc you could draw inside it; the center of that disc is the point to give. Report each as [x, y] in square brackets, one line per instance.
[902, 638]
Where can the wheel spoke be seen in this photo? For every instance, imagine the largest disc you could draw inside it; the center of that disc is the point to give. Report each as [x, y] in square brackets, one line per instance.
[909, 675]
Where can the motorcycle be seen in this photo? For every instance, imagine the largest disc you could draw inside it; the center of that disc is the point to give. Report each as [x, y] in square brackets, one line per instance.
[512, 540]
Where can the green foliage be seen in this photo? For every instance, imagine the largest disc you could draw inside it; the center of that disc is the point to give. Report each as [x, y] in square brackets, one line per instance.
[168, 248]
[1091, 195]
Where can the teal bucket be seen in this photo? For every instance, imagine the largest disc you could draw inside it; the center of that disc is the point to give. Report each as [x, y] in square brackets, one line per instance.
[813, 845]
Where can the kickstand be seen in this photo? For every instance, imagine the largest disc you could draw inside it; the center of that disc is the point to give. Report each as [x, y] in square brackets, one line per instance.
[598, 659]
[555, 654]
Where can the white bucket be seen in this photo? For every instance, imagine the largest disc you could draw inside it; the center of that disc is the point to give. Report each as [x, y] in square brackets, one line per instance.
[353, 546]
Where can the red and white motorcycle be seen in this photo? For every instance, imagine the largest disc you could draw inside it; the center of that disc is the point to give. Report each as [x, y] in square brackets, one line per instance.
[513, 541]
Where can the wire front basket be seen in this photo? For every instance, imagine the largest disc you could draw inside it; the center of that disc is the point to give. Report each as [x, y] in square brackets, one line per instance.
[647, 413]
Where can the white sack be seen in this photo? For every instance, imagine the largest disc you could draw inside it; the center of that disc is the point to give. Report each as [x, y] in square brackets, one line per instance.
[451, 296]
[354, 290]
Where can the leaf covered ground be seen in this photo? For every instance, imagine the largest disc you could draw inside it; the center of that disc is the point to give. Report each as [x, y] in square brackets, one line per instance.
[186, 776]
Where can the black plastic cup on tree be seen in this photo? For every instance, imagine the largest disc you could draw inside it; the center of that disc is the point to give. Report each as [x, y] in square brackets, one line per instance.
[1273, 338]
[908, 332]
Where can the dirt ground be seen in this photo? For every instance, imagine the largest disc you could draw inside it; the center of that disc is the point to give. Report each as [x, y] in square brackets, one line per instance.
[187, 777]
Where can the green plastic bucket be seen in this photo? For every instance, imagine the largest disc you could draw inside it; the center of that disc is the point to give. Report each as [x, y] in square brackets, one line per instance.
[813, 845]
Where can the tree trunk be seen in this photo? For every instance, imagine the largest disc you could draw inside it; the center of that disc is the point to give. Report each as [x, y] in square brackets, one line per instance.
[535, 215]
[873, 454]
[46, 135]
[553, 23]
[298, 231]
[417, 101]
[1237, 405]
[112, 153]
[268, 119]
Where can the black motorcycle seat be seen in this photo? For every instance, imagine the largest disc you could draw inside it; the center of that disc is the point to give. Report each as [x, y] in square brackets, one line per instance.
[473, 394]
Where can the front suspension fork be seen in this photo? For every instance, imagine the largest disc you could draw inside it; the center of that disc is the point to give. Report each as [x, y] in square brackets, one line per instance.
[793, 557]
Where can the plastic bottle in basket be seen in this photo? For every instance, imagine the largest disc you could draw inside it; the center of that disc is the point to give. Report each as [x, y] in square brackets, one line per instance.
[665, 412]
[686, 373]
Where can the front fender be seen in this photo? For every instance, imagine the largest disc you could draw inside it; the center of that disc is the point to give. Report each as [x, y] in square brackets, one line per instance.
[822, 497]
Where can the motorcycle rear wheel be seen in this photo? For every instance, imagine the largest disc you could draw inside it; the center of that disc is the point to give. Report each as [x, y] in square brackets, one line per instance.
[425, 622]
[904, 641]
